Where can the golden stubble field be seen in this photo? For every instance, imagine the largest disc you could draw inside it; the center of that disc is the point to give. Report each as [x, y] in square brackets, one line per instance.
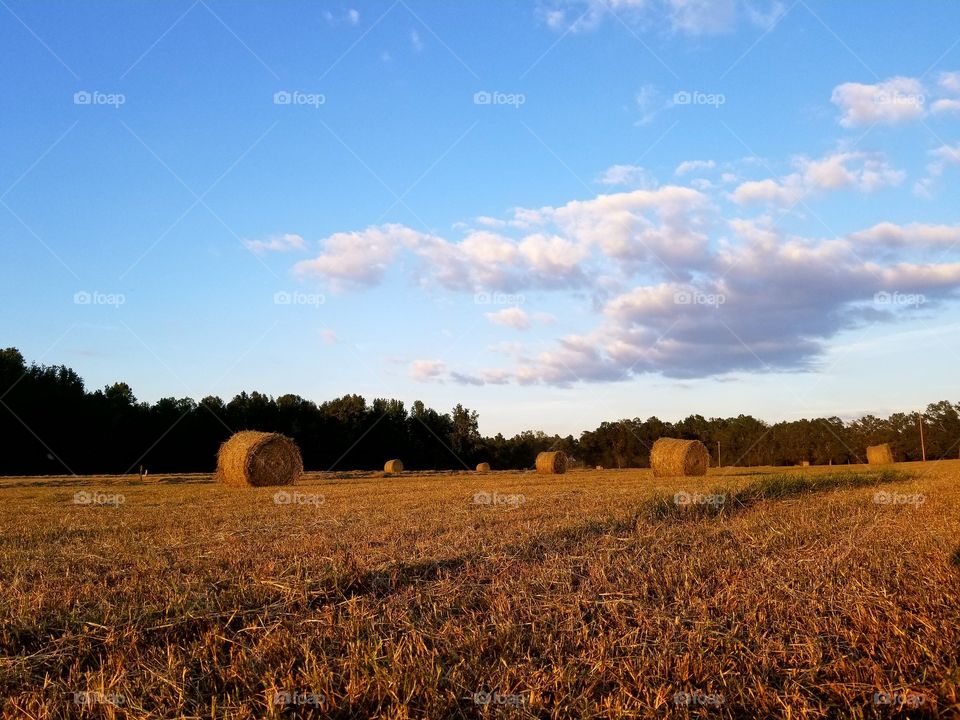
[445, 595]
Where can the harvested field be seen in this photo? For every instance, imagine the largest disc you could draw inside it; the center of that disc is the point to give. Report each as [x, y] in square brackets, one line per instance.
[818, 592]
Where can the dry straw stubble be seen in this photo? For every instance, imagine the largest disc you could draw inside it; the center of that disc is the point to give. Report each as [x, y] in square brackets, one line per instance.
[252, 458]
[672, 457]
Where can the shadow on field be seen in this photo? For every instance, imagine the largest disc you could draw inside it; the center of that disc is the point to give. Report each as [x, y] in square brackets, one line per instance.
[955, 558]
[397, 577]
[724, 501]
[665, 508]
[105, 480]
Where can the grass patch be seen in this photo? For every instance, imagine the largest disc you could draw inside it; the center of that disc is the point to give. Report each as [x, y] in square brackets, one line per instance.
[725, 500]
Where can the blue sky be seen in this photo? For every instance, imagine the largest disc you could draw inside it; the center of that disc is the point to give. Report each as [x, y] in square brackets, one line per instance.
[556, 213]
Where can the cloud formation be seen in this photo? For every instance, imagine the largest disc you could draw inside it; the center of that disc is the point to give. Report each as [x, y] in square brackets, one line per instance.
[686, 17]
[277, 243]
[677, 281]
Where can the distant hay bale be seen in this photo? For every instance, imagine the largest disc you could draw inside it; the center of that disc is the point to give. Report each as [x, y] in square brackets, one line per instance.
[483, 467]
[805, 463]
[599, 467]
[393, 466]
[552, 463]
[879, 454]
[671, 457]
[251, 458]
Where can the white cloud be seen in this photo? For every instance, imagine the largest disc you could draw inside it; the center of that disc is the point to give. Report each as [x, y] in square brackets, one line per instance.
[943, 156]
[427, 370]
[945, 105]
[756, 191]
[416, 41]
[628, 175]
[493, 222]
[950, 82]
[686, 17]
[702, 17]
[513, 317]
[277, 243]
[912, 235]
[675, 289]
[652, 229]
[866, 172]
[649, 103]
[770, 303]
[518, 319]
[896, 100]
[359, 258]
[691, 165]
[351, 17]
[948, 153]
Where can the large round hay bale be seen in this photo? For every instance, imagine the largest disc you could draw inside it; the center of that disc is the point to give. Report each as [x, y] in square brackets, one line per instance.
[671, 457]
[552, 463]
[483, 467]
[393, 466]
[880, 454]
[259, 459]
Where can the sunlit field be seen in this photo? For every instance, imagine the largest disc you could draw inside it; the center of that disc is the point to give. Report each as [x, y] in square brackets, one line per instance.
[755, 592]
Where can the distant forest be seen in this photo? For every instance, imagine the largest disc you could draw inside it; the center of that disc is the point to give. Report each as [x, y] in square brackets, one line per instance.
[50, 424]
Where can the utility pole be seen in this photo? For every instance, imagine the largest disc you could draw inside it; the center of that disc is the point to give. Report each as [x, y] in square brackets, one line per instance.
[923, 449]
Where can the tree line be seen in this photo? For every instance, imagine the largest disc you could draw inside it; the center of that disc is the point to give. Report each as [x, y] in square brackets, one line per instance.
[51, 424]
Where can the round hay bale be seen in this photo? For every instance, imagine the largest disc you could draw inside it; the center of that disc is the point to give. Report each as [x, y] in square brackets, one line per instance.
[552, 463]
[393, 466]
[483, 467]
[251, 458]
[671, 457]
[880, 454]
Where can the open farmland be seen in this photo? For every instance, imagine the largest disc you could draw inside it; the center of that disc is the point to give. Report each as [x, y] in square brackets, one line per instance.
[585, 595]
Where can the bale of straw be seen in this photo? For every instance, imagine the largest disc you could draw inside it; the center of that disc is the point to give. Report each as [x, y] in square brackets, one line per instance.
[552, 463]
[671, 457]
[805, 463]
[393, 466]
[483, 467]
[251, 458]
[880, 454]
